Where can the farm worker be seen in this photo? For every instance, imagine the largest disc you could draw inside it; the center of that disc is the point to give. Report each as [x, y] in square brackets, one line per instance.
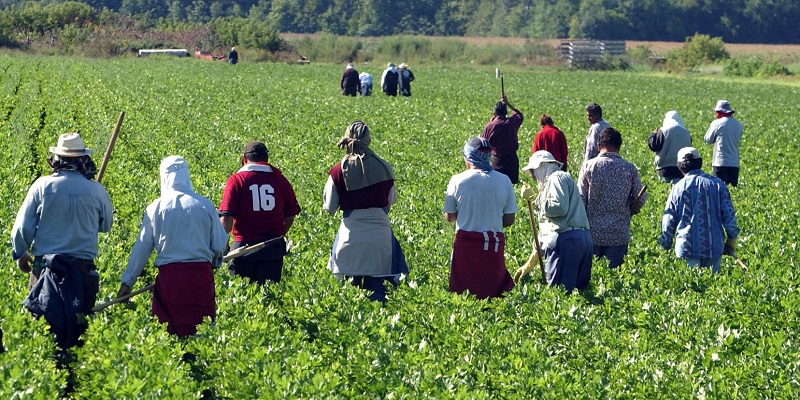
[481, 202]
[563, 225]
[609, 185]
[725, 133]
[184, 229]
[350, 81]
[406, 76]
[54, 239]
[551, 138]
[258, 204]
[365, 79]
[362, 187]
[665, 142]
[233, 56]
[699, 209]
[594, 114]
[501, 132]
[389, 80]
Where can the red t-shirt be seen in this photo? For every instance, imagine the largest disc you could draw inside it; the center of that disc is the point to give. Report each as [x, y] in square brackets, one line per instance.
[259, 201]
[376, 195]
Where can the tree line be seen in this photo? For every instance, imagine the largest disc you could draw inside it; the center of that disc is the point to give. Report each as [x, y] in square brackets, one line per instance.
[735, 21]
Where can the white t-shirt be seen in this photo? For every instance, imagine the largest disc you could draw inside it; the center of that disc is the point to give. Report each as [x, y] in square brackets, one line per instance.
[480, 199]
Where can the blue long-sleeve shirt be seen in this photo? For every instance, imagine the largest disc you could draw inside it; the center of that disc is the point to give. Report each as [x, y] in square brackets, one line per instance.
[62, 214]
[699, 213]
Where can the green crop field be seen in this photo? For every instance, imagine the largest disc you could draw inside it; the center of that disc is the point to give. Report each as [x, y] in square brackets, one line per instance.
[652, 329]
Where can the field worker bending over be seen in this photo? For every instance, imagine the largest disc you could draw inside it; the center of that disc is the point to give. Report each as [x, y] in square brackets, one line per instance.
[258, 204]
[665, 142]
[608, 186]
[501, 132]
[563, 225]
[362, 186]
[594, 114]
[54, 238]
[725, 133]
[481, 202]
[700, 211]
[184, 229]
[551, 138]
[365, 79]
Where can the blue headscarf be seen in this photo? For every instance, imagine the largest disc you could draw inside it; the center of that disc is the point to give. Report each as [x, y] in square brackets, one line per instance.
[478, 152]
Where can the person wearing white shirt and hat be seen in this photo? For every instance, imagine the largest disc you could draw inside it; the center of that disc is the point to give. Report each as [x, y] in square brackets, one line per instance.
[725, 133]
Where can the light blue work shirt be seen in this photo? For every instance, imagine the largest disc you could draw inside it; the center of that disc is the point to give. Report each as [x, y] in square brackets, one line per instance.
[62, 214]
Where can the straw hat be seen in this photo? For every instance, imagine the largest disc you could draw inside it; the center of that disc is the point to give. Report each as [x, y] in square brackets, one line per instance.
[70, 145]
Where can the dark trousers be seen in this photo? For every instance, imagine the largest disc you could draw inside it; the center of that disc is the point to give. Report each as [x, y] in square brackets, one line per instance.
[373, 284]
[90, 280]
[729, 175]
[670, 174]
[614, 254]
[258, 271]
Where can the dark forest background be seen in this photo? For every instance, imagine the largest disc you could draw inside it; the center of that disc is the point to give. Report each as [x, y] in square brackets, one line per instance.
[734, 21]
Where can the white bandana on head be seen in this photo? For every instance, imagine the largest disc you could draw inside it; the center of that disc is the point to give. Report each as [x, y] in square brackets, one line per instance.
[174, 174]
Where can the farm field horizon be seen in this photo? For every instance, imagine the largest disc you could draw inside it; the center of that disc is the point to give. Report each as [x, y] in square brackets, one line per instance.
[651, 329]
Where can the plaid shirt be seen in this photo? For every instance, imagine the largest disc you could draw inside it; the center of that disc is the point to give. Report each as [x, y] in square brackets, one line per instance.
[698, 209]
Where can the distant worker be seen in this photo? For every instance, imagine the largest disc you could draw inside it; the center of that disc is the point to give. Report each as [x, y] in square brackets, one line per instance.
[563, 225]
[609, 185]
[594, 113]
[233, 56]
[406, 76]
[365, 250]
[665, 142]
[551, 138]
[700, 213]
[184, 229]
[389, 80]
[481, 202]
[365, 79]
[725, 133]
[54, 239]
[501, 132]
[350, 81]
[258, 204]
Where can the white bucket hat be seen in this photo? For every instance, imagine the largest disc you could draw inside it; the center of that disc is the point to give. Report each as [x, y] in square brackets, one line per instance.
[688, 154]
[724, 106]
[539, 157]
[70, 145]
[402, 65]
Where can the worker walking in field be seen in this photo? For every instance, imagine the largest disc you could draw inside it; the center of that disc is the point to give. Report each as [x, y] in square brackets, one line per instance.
[609, 186]
[481, 202]
[365, 250]
[551, 138]
[350, 81]
[665, 142]
[389, 80]
[725, 133]
[594, 114]
[233, 56]
[501, 132]
[258, 204]
[700, 211]
[54, 239]
[405, 79]
[563, 225]
[184, 229]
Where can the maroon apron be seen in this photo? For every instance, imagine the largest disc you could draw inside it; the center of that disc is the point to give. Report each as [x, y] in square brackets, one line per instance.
[184, 294]
[478, 265]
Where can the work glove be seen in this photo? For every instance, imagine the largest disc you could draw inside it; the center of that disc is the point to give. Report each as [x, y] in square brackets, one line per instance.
[526, 268]
[730, 248]
[527, 192]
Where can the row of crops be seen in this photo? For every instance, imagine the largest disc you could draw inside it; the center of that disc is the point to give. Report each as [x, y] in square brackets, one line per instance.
[652, 328]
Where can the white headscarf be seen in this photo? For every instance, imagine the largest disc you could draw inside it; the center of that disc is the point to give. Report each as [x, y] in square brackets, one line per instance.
[175, 175]
[671, 118]
[544, 171]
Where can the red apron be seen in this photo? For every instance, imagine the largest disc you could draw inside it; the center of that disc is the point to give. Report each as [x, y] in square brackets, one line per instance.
[477, 264]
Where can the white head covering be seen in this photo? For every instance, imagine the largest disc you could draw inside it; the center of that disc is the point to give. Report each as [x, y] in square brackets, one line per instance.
[349, 66]
[174, 175]
[671, 118]
[543, 164]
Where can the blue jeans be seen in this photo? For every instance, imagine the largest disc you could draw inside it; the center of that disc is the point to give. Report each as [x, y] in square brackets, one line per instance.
[570, 263]
[373, 284]
[704, 263]
[614, 254]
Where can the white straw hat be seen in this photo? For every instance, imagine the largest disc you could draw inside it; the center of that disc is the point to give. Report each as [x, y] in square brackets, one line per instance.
[70, 145]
